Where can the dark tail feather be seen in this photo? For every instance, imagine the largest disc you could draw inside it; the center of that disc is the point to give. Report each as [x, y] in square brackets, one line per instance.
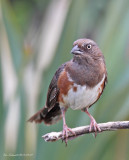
[39, 116]
[48, 117]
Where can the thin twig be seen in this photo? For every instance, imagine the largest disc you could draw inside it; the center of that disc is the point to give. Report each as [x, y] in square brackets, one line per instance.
[109, 126]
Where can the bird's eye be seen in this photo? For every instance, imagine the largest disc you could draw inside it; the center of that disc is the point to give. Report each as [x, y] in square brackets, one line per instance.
[89, 46]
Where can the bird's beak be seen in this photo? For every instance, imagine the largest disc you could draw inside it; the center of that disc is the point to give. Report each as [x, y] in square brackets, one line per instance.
[76, 50]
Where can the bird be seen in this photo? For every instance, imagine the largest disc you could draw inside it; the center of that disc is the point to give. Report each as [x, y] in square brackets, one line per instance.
[77, 84]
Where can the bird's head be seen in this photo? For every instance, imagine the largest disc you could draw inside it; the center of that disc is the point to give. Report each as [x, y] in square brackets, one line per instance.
[84, 47]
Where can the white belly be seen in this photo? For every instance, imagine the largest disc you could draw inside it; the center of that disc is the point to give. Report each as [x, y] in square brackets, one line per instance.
[83, 96]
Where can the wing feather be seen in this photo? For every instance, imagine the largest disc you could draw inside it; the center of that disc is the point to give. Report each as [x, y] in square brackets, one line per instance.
[51, 113]
[53, 91]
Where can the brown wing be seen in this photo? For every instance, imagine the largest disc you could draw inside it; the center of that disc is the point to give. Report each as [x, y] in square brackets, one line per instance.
[51, 113]
[53, 90]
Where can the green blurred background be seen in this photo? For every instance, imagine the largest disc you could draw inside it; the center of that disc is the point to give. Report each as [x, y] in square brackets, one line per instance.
[36, 37]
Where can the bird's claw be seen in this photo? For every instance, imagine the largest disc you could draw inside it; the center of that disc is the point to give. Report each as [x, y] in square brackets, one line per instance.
[65, 133]
[94, 125]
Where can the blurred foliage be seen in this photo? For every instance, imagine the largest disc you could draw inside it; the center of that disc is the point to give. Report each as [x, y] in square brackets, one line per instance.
[25, 73]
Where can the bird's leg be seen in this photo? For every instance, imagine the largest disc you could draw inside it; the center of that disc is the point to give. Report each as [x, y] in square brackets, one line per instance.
[65, 127]
[93, 123]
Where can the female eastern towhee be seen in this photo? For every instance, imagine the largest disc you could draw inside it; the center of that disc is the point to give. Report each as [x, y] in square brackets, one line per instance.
[77, 84]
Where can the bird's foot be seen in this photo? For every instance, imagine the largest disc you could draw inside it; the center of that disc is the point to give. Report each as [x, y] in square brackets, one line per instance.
[93, 124]
[66, 130]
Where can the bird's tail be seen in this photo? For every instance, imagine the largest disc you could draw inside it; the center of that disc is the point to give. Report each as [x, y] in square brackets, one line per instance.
[39, 116]
[48, 117]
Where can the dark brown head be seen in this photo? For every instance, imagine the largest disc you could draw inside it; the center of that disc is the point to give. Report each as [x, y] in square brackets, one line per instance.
[88, 61]
[86, 47]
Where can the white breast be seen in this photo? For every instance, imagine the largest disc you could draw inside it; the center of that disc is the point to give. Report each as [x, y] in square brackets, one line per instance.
[83, 96]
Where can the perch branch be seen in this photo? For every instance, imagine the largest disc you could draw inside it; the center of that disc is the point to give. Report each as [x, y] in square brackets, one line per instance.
[109, 126]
